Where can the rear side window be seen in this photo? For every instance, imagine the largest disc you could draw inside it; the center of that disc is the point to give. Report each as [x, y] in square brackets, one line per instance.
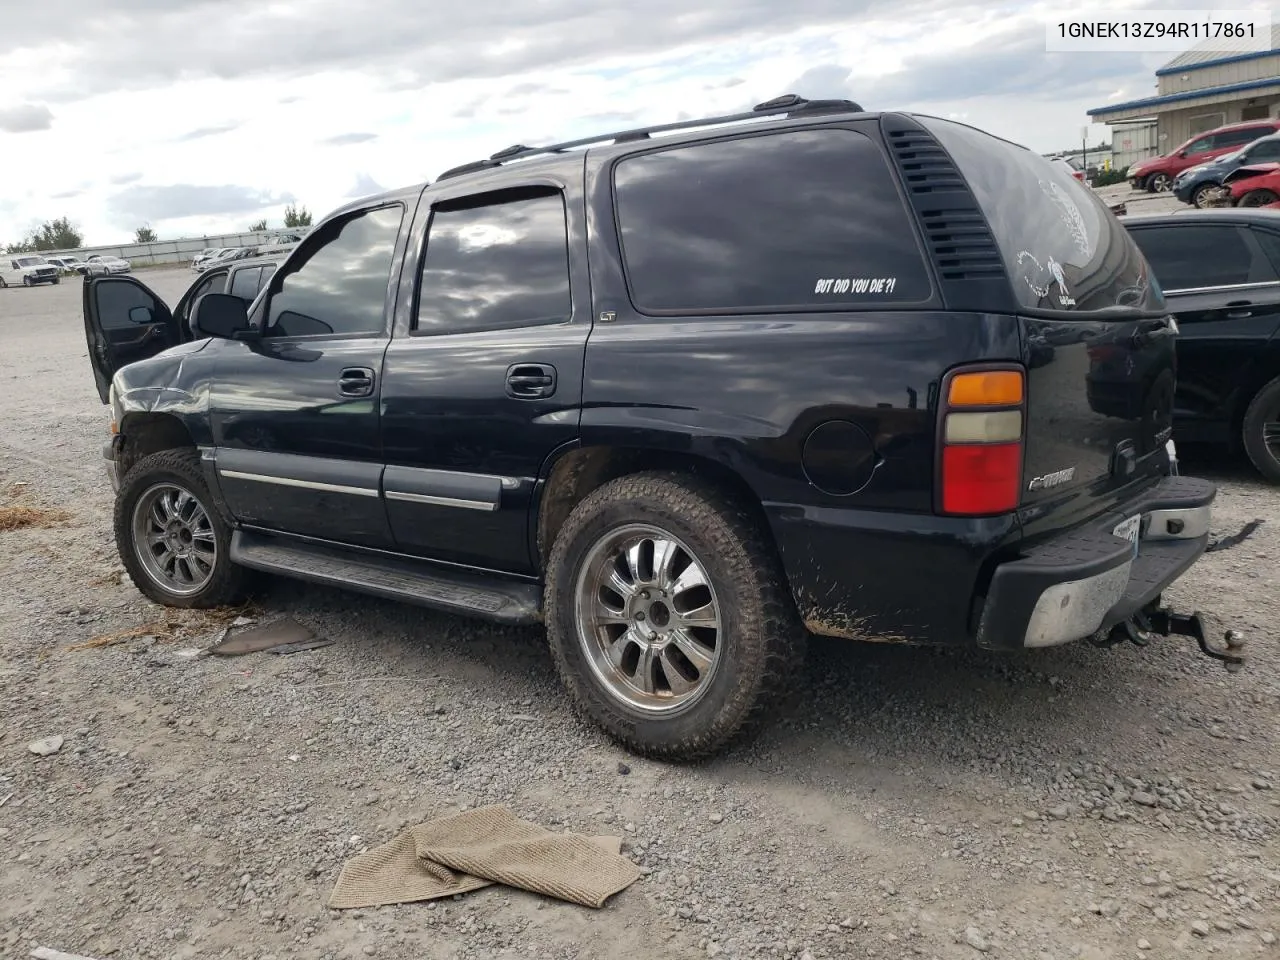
[1238, 138]
[1266, 152]
[1194, 256]
[246, 283]
[777, 222]
[215, 284]
[1063, 249]
[1270, 243]
[495, 263]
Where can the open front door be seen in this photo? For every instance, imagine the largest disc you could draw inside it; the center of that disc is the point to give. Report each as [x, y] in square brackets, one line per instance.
[123, 322]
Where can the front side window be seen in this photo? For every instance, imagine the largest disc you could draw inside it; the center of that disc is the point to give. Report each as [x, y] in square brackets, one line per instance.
[125, 306]
[339, 286]
[494, 263]
[783, 221]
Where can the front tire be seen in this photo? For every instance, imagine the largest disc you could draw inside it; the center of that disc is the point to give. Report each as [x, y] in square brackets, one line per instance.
[1258, 198]
[1261, 431]
[669, 617]
[1200, 197]
[170, 537]
[26, 281]
[1159, 182]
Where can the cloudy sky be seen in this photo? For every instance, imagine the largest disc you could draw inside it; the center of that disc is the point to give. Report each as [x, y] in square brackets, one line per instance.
[201, 116]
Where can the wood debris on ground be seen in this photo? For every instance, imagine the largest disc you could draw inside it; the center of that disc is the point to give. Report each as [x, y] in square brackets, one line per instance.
[16, 515]
[174, 625]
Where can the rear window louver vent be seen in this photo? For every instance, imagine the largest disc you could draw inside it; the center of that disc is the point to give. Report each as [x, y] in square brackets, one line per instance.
[956, 230]
[961, 243]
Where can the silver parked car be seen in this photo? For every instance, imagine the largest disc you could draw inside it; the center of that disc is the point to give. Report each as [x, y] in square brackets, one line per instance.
[100, 265]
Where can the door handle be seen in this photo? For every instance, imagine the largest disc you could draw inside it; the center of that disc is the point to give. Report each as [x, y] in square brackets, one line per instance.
[531, 381]
[355, 382]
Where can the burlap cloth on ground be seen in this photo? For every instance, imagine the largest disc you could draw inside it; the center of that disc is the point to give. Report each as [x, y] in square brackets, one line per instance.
[476, 848]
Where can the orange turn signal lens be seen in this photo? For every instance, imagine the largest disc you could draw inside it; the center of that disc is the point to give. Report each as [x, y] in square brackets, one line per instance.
[992, 388]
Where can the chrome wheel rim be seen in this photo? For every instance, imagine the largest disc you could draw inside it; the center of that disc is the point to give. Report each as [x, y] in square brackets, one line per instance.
[1160, 183]
[1271, 437]
[173, 538]
[648, 619]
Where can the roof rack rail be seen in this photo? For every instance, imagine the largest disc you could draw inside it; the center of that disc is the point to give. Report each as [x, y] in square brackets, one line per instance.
[788, 104]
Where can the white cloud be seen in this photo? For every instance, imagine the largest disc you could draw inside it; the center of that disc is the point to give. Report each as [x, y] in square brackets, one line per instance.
[205, 115]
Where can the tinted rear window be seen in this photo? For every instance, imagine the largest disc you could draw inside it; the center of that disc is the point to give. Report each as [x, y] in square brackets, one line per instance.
[1062, 247]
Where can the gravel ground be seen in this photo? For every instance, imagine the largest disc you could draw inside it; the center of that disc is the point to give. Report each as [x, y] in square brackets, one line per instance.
[1141, 202]
[1074, 803]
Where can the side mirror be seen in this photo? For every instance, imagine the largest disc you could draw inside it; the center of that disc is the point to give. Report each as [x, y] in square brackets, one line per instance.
[140, 315]
[220, 315]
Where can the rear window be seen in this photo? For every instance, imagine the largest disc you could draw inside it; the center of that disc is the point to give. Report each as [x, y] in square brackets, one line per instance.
[1063, 249]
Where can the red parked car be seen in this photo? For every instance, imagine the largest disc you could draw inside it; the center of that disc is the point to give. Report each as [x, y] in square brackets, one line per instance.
[1156, 175]
[1257, 185]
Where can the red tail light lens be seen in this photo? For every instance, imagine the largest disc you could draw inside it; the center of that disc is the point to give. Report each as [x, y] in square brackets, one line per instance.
[982, 428]
[981, 478]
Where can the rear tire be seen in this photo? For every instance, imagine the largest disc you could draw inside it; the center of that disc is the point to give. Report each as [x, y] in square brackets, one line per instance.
[165, 519]
[1261, 431]
[1258, 198]
[627, 669]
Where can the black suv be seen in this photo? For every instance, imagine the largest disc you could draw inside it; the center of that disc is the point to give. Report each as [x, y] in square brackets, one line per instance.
[1220, 270]
[679, 398]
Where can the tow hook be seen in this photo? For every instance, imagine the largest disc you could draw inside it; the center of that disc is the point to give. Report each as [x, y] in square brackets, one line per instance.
[1142, 626]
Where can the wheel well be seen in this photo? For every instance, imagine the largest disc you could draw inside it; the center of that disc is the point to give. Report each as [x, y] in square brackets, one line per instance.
[581, 471]
[148, 433]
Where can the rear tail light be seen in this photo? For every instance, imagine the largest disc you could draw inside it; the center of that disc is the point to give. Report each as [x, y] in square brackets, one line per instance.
[983, 415]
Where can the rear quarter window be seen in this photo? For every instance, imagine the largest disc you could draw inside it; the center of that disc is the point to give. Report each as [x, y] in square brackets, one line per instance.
[782, 221]
[1063, 249]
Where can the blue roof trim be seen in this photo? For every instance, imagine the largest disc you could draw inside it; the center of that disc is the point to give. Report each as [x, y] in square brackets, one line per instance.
[1205, 64]
[1189, 95]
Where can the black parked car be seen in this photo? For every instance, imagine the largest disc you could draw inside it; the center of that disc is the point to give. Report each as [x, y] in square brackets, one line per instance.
[1220, 270]
[679, 398]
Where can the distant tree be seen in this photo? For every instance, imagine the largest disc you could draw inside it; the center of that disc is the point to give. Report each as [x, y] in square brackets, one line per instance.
[56, 235]
[24, 246]
[297, 216]
[144, 235]
[258, 227]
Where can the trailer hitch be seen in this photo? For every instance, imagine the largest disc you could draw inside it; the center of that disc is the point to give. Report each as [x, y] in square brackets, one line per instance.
[1143, 625]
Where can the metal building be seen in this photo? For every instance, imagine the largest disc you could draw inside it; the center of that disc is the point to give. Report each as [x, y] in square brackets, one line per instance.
[1195, 91]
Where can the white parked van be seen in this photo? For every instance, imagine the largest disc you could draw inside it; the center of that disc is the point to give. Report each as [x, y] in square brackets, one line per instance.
[26, 269]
